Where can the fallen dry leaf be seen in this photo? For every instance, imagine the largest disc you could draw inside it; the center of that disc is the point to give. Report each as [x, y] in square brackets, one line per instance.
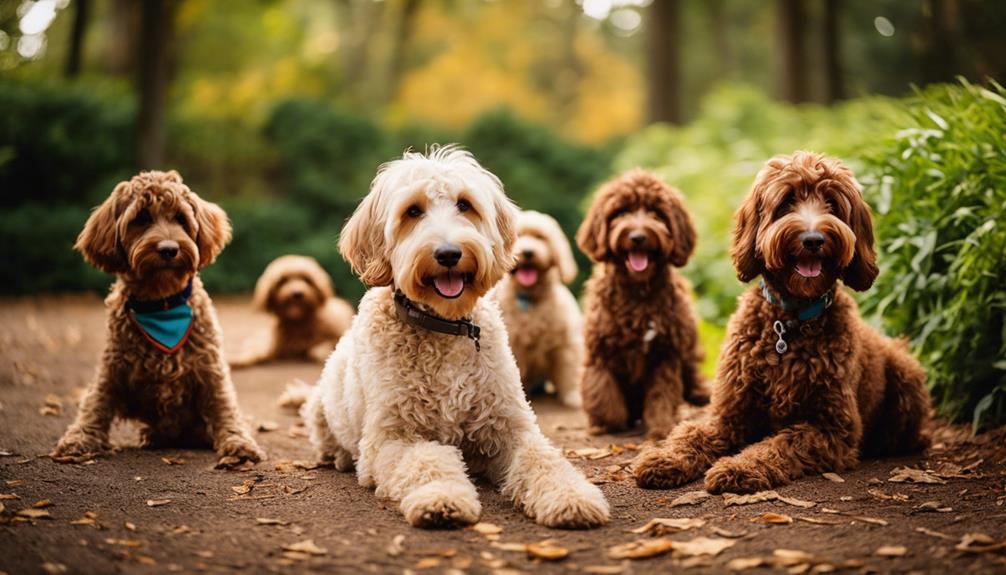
[173, 460]
[724, 533]
[33, 513]
[872, 520]
[8, 496]
[690, 498]
[912, 475]
[878, 494]
[89, 518]
[428, 563]
[245, 487]
[932, 533]
[53, 568]
[933, 506]
[487, 528]
[547, 550]
[742, 563]
[605, 569]
[521, 547]
[787, 557]
[662, 526]
[306, 546]
[129, 526]
[979, 543]
[818, 521]
[891, 551]
[641, 549]
[833, 477]
[703, 546]
[796, 502]
[14, 482]
[157, 502]
[591, 453]
[267, 426]
[41, 504]
[124, 542]
[397, 546]
[775, 518]
[267, 521]
[734, 499]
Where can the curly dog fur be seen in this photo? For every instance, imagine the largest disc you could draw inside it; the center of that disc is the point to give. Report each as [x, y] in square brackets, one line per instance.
[839, 389]
[641, 337]
[414, 409]
[184, 398]
[308, 318]
[541, 315]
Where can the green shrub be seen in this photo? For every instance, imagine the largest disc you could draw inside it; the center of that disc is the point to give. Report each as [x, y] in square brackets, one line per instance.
[60, 143]
[37, 250]
[939, 191]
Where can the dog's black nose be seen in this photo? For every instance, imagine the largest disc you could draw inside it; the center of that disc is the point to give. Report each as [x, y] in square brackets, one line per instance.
[297, 295]
[168, 249]
[447, 255]
[637, 238]
[528, 254]
[812, 241]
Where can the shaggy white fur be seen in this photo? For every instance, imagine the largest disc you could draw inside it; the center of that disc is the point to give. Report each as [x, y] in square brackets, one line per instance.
[410, 407]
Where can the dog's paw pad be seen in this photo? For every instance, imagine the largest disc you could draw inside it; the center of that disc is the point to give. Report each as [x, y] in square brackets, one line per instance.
[659, 470]
[73, 447]
[238, 450]
[439, 504]
[580, 508]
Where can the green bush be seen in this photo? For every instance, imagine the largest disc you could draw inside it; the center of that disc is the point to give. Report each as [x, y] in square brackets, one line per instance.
[60, 143]
[939, 191]
[714, 159]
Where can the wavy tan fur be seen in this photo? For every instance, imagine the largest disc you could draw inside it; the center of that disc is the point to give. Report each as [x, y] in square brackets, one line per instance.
[416, 411]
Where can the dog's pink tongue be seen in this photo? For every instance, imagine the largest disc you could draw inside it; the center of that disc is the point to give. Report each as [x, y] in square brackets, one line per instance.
[809, 269]
[527, 277]
[449, 284]
[638, 261]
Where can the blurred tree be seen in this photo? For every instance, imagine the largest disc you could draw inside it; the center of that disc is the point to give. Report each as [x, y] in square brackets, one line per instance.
[663, 29]
[120, 37]
[81, 13]
[834, 89]
[399, 47]
[938, 46]
[792, 55]
[156, 27]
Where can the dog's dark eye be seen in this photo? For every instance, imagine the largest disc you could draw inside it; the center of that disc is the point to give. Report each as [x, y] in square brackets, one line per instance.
[464, 206]
[833, 205]
[180, 218]
[785, 206]
[414, 212]
[142, 218]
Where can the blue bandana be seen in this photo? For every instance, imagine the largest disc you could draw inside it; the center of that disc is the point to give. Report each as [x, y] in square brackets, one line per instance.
[166, 323]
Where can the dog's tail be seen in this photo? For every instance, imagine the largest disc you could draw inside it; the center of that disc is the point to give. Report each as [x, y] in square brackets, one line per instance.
[295, 394]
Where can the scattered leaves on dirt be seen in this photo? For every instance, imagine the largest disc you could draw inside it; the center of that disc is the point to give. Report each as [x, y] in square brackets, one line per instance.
[762, 496]
[742, 563]
[397, 546]
[124, 542]
[548, 550]
[690, 498]
[606, 569]
[89, 518]
[979, 543]
[931, 533]
[245, 487]
[157, 502]
[645, 548]
[912, 475]
[33, 513]
[833, 477]
[173, 460]
[268, 521]
[873, 520]
[933, 507]
[662, 526]
[590, 453]
[306, 546]
[41, 504]
[878, 494]
[53, 406]
[487, 528]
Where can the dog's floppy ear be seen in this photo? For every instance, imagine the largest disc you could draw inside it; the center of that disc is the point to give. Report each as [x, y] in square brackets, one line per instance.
[265, 286]
[592, 236]
[861, 272]
[98, 242]
[561, 250]
[214, 229]
[361, 241]
[682, 228]
[743, 250]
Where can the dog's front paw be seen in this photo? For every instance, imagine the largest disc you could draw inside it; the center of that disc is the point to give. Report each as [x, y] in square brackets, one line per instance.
[237, 449]
[577, 506]
[732, 475]
[443, 504]
[664, 469]
[77, 443]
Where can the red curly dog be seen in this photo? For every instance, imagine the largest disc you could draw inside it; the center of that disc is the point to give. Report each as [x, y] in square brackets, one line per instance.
[804, 384]
[640, 330]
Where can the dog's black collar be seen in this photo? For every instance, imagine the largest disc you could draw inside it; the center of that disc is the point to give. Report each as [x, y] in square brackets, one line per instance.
[152, 305]
[412, 314]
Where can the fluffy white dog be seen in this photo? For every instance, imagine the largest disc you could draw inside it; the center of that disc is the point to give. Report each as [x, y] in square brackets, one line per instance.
[424, 380]
[541, 314]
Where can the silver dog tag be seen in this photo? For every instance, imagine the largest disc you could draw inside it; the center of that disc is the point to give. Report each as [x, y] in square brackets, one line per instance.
[780, 346]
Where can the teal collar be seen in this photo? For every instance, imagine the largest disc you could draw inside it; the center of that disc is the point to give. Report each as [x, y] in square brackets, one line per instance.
[165, 323]
[524, 300]
[804, 310]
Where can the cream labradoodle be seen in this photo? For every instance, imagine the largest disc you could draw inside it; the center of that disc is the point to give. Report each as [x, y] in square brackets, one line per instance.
[423, 388]
[541, 314]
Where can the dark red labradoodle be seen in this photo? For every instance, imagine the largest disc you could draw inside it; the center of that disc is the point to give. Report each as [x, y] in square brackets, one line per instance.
[640, 330]
[804, 384]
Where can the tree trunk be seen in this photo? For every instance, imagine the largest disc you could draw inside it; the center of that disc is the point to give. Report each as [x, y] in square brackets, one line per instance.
[719, 30]
[400, 44]
[75, 55]
[834, 90]
[664, 39]
[120, 40]
[156, 27]
[939, 57]
[792, 77]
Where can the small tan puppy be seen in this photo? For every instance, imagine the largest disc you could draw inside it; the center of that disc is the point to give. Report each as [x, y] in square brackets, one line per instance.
[309, 318]
[162, 364]
[542, 317]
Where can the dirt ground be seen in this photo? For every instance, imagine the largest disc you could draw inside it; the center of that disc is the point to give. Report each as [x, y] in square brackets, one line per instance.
[141, 511]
